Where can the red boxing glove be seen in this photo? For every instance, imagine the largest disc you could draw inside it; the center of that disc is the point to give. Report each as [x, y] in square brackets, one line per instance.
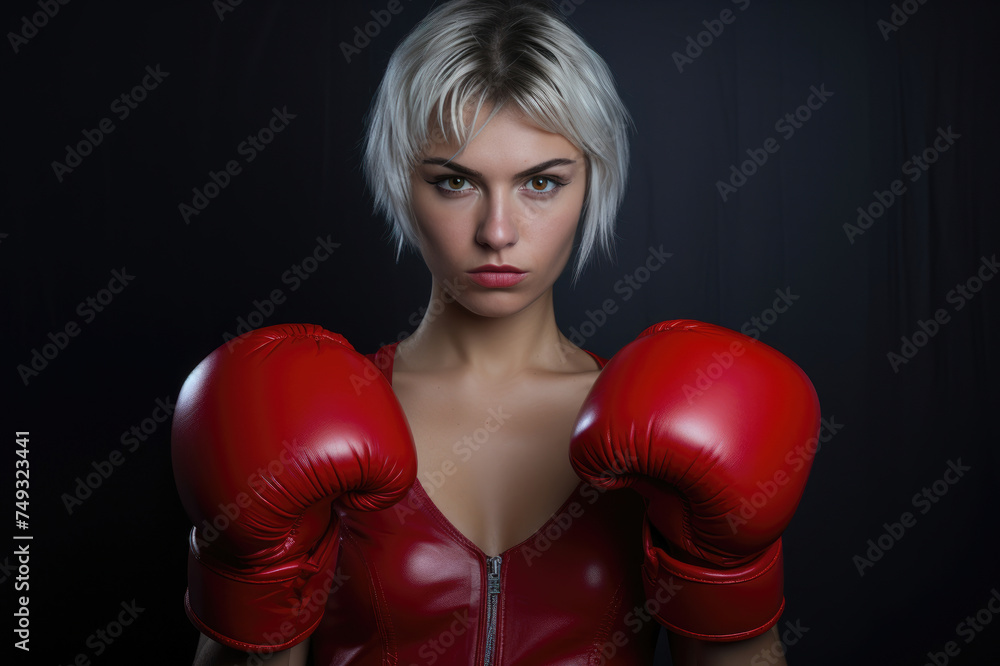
[264, 438]
[698, 418]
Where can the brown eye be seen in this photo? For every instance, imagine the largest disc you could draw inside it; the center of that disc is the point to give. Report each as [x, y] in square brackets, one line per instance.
[539, 184]
[456, 183]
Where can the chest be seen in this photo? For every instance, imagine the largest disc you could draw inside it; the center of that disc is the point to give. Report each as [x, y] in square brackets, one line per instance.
[494, 459]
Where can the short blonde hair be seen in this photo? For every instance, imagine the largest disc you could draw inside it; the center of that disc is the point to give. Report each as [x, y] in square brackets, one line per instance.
[476, 53]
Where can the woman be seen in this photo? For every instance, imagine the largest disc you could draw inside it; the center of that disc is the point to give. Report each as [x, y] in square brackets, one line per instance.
[496, 143]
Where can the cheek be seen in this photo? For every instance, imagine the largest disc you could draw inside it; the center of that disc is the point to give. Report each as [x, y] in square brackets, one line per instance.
[561, 228]
[434, 224]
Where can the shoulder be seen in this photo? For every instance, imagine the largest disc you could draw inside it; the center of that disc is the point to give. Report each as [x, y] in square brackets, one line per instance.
[572, 359]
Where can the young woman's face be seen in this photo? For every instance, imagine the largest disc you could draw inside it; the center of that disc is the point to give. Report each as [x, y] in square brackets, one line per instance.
[496, 225]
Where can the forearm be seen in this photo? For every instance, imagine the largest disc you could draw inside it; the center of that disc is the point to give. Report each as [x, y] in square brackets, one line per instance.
[764, 649]
[212, 653]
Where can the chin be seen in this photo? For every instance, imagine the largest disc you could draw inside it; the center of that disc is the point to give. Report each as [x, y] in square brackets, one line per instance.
[496, 304]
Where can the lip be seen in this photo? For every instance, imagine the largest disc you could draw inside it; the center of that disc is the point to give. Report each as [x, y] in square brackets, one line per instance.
[493, 268]
[496, 277]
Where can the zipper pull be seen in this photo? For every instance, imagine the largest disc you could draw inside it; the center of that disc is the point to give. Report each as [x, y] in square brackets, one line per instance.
[493, 575]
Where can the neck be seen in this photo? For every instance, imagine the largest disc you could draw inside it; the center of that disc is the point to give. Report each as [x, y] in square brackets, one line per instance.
[451, 338]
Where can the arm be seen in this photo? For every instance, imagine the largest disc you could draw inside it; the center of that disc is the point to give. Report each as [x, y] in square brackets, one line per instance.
[211, 653]
[767, 648]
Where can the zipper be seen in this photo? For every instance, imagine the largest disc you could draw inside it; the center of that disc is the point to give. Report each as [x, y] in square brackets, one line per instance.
[492, 602]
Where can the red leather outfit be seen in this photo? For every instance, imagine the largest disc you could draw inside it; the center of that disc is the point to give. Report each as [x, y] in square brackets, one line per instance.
[412, 589]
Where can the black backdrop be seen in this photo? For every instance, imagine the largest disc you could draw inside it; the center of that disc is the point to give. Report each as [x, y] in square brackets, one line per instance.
[780, 253]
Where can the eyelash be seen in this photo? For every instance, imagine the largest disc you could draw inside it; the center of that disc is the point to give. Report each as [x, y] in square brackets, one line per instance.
[556, 182]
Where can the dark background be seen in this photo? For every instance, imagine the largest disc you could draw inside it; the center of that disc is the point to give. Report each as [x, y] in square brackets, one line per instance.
[782, 230]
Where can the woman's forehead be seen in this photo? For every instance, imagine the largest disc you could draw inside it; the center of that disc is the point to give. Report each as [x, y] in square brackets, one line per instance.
[509, 133]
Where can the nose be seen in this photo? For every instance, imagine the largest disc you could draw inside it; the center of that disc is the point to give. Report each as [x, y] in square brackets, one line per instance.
[497, 229]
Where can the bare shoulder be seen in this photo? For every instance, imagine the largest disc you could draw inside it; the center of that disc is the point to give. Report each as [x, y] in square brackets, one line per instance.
[576, 366]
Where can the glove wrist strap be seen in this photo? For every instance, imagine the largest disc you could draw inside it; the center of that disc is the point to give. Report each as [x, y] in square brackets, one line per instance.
[263, 611]
[714, 604]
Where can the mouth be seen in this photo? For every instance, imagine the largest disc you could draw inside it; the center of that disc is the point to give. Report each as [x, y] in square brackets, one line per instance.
[496, 277]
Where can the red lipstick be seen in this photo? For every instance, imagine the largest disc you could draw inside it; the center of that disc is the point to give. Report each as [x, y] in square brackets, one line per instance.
[496, 277]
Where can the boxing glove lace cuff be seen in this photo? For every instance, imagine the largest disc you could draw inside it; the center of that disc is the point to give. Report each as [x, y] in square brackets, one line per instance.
[714, 604]
[264, 612]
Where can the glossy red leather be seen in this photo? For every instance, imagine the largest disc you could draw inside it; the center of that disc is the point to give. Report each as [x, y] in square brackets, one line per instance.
[700, 419]
[411, 589]
[268, 430]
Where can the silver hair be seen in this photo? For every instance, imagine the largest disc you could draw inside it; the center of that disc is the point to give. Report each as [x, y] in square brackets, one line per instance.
[476, 53]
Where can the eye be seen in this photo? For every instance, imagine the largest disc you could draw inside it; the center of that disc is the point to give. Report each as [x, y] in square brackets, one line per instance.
[543, 185]
[452, 184]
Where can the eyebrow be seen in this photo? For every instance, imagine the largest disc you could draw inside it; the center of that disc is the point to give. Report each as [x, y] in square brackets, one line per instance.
[440, 161]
